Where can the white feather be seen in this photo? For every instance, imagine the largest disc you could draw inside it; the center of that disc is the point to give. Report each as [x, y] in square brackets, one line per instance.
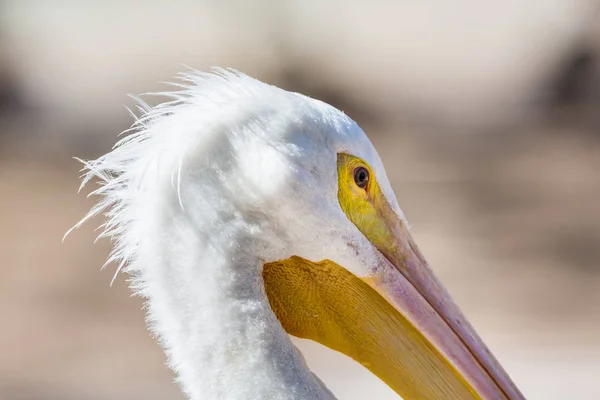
[227, 175]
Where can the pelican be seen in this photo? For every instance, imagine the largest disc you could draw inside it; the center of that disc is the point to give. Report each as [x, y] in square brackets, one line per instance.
[244, 214]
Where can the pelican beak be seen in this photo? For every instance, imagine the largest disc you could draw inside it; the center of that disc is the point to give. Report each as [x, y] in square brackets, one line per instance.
[459, 365]
[399, 322]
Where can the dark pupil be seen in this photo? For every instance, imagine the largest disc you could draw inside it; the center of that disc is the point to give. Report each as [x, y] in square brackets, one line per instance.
[361, 177]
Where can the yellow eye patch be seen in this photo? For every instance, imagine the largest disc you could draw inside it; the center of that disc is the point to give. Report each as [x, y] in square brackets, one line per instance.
[363, 206]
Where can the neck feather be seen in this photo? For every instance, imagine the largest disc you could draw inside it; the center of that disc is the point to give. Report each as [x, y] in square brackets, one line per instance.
[208, 306]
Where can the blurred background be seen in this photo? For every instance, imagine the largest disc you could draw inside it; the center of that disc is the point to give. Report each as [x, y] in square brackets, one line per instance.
[486, 114]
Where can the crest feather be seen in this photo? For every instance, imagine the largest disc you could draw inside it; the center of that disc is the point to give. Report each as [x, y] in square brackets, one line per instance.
[160, 134]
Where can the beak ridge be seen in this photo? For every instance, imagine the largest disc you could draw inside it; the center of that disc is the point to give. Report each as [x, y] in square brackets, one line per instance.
[452, 334]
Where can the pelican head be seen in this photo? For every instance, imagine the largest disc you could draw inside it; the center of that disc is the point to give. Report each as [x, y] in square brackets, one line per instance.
[246, 213]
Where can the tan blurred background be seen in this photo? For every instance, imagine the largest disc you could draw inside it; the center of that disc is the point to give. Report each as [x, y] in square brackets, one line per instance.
[486, 114]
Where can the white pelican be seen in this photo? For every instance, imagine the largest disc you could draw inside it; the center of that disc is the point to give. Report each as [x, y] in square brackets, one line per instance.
[244, 214]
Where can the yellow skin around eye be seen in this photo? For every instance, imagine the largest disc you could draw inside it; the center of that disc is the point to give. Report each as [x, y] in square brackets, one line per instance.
[366, 208]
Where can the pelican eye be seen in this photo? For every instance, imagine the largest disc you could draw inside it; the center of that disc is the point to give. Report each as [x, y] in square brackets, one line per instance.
[361, 177]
